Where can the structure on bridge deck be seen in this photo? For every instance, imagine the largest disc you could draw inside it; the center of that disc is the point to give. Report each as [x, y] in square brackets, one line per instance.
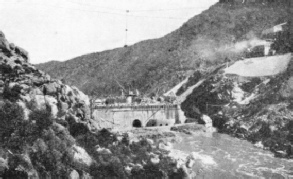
[129, 116]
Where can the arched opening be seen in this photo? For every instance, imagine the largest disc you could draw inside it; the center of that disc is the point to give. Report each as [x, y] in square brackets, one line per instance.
[136, 123]
[151, 123]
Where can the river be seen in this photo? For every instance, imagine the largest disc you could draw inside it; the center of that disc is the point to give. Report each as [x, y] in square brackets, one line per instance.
[219, 156]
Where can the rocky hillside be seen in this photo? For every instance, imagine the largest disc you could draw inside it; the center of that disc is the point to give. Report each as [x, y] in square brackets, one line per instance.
[46, 131]
[154, 66]
[254, 107]
[35, 111]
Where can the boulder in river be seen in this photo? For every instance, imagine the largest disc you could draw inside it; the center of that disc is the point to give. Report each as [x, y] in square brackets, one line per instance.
[207, 120]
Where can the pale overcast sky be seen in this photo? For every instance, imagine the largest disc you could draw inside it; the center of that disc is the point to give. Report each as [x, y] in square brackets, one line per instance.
[63, 29]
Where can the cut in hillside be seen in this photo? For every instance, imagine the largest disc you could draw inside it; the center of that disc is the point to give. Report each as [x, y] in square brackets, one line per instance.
[154, 66]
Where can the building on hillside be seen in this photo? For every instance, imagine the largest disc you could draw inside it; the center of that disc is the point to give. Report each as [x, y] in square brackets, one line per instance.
[274, 41]
[275, 31]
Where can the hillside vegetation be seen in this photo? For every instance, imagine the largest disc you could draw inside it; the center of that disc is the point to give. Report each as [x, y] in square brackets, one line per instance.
[154, 66]
[256, 108]
[46, 131]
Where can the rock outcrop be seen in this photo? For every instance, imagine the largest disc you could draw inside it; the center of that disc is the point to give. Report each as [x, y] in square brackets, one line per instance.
[257, 108]
[47, 131]
[33, 91]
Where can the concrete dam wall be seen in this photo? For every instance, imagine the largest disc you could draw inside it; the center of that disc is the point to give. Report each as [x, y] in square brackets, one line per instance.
[127, 117]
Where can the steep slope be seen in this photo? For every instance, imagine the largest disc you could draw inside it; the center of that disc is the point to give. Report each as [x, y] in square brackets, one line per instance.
[153, 66]
[46, 131]
[254, 106]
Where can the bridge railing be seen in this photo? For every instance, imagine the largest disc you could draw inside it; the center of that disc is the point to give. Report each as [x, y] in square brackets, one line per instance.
[134, 107]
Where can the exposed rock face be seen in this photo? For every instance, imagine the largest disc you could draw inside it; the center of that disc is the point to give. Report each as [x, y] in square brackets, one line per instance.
[23, 53]
[82, 156]
[73, 175]
[11, 49]
[4, 45]
[257, 108]
[208, 121]
[287, 89]
[33, 90]
[3, 164]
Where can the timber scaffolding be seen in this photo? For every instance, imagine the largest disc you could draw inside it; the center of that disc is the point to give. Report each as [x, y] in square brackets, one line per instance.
[139, 107]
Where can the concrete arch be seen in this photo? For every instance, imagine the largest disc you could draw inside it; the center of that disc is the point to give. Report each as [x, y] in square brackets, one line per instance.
[160, 122]
[151, 123]
[136, 123]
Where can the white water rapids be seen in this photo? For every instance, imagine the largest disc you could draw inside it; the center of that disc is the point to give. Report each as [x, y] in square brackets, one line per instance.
[219, 156]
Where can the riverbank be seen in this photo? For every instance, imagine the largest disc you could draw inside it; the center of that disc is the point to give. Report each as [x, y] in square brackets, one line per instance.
[164, 138]
[208, 154]
[255, 108]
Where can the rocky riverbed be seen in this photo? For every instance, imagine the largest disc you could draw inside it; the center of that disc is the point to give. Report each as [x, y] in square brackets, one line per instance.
[205, 153]
[257, 108]
[221, 156]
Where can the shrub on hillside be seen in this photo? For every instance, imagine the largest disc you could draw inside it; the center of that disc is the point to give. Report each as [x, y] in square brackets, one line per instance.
[12, 94]
[42, 118]
[11, 116]
[124, 154]
[48, 144]
[110, 167]
[52, 153]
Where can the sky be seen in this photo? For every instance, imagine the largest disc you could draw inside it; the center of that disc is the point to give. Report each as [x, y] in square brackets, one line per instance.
[64, 29]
